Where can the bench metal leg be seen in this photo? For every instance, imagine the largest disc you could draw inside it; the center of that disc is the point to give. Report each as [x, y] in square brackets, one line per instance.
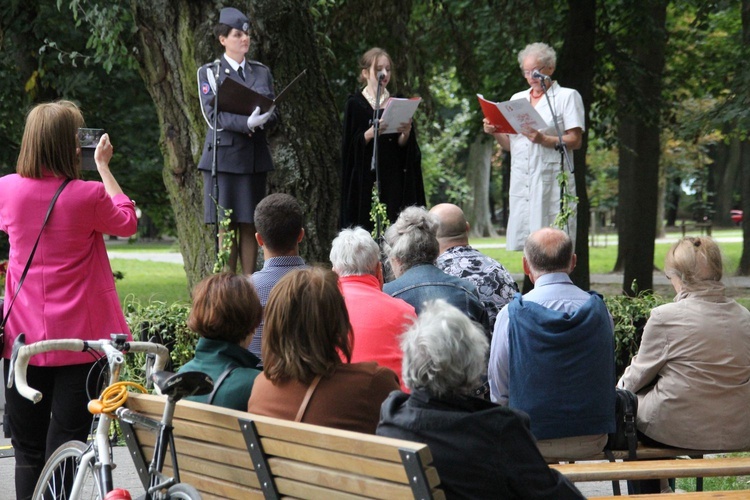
[415, 471]
[258, 456]
[136, 453]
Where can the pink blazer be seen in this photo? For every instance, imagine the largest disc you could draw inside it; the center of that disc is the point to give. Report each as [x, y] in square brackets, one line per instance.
[69, 291]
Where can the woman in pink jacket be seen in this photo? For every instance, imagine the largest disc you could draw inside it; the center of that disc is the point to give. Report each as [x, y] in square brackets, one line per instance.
[69, 291]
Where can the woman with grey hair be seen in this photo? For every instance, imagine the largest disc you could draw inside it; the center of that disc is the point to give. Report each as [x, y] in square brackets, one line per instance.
[480, 449]
[535, 158]
[412, 247]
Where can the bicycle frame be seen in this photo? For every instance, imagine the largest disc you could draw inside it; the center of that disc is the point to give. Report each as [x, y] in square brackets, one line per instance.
[98, 454]
[151, 477]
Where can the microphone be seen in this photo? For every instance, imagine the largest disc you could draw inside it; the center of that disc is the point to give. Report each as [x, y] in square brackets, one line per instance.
[536, 75]
[381, 75]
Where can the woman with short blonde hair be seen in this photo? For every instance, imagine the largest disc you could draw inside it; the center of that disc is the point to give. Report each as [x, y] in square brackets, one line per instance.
[692, 368]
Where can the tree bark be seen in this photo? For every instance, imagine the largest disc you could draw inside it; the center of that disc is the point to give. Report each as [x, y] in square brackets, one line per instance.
[174, 38]
[576, 70]
[744, 267]
[480, 165]
[639, 96]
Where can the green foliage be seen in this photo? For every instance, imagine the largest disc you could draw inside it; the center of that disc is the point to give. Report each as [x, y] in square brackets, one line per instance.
[45, 59]
[228, 237]
[568, 200]
[630, 315]
[162, 323]
[110, 25]
[601, 174]
[443, 165]
[378, 213]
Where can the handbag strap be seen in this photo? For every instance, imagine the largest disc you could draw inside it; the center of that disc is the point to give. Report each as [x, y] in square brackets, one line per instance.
[308, 395]
[219, 381]
[33, 251]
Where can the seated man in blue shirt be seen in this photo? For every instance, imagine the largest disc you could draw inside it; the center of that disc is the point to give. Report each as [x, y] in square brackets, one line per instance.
[552, 354]
[280, 226]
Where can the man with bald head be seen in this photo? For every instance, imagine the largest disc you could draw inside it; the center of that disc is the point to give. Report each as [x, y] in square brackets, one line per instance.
[552, 354]
[494, 283]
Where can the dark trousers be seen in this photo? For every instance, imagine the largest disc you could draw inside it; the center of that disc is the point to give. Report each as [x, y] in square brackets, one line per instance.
[644, 486]
[37, 430]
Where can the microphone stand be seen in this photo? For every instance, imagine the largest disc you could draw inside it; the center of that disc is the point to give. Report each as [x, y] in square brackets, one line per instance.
[561, 146]
[374, 166]
[214, 152]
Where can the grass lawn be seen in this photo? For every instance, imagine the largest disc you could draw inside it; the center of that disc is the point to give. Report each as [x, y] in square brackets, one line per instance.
[603, 256]
[146, 281]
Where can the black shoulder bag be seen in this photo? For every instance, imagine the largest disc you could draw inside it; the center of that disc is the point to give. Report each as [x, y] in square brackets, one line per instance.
[4, 318]
[625, 436]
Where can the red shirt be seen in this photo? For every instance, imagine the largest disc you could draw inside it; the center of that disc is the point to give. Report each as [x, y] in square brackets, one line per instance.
[378, 320]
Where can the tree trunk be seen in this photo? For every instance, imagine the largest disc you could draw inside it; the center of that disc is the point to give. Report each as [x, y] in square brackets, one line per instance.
[744, 267]
[660, 203]
[479, 166]
[639, 96]
[576, 70]
[174, 38]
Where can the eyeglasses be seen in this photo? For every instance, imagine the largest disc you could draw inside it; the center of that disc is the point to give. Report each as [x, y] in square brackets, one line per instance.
[528, 72]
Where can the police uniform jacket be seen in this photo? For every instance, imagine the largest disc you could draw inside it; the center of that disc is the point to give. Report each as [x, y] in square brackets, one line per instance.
[239, 151]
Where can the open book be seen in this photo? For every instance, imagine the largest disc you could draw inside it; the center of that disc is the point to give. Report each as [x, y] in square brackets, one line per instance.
[511, 117]
[397, 111]
[238, 99]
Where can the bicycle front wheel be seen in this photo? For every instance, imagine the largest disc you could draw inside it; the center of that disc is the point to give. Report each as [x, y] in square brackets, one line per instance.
[62, 469]
[183, 491]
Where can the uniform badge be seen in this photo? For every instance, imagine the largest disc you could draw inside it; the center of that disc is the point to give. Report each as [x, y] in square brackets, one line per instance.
[205, 88]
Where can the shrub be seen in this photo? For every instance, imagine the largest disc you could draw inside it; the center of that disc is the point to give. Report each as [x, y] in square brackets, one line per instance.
[164, 324]
[630, 315]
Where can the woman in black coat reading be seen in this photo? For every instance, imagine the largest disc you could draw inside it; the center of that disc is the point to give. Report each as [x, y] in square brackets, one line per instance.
[399, 158]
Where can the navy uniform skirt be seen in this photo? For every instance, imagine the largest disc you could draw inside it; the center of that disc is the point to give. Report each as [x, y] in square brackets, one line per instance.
[239, 192]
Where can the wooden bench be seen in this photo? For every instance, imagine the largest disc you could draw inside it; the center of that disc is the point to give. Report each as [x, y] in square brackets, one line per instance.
[232, 454]
[703, 226]
[698, 495]
[684, 467]
[649, 453]
[655, 469]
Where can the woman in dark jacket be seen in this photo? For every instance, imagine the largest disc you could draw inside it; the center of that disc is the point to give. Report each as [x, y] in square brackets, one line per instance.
[480, 449]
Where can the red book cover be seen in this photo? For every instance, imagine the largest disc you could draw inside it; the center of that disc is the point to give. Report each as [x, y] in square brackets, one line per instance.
[496, 118]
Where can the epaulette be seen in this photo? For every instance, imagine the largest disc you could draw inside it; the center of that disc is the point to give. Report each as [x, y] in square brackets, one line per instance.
[256, 63]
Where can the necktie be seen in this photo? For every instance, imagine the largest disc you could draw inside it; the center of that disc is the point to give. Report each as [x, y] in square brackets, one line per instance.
[241, 72]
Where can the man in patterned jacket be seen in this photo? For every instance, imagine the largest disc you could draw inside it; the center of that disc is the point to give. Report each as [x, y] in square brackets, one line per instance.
[457, 258]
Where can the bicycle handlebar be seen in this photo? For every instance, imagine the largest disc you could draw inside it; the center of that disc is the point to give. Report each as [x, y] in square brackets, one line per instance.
[21, 355]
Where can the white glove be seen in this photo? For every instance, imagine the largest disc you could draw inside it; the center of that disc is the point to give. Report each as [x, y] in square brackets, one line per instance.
[257, 119]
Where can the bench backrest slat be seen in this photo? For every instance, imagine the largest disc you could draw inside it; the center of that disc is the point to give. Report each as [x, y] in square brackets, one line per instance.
[335, 480]
[655, 469]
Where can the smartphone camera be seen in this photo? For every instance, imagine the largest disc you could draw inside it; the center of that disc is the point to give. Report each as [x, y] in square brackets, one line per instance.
[88, 139]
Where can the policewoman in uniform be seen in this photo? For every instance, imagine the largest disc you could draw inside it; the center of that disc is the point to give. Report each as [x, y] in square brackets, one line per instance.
[243, 156]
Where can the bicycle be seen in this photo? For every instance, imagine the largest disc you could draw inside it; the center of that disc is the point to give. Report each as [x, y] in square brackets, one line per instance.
[78, 470]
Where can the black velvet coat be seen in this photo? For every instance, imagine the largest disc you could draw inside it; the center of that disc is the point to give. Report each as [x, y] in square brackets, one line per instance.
[400, 167]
